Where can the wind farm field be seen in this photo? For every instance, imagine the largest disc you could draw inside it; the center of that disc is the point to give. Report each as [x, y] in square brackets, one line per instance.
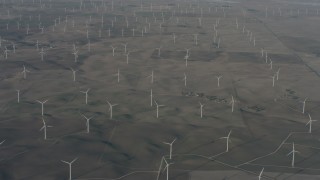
[159, 90]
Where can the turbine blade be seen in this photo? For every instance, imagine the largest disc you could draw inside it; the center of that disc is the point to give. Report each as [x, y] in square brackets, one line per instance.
[2, 142]
[42, 128]
[74, 160]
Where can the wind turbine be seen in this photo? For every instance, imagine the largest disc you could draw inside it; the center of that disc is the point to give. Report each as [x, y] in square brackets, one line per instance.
[228, 139]
[185, 79]
[270, 64]
[310, 123]
[44, 128]
[277, 74]
[174, 38]
[304, 105]
[266, 53]
[201, 109]
[70, 167]
[200, 21]
[74, 74]
[88, 122]
[113, 49]
[18, 94]
[232, 103]
[125, 47]
[37, 45]
[187, 53]
[273, 79]
[89, 45]
[86, 92]
[42, 53]
[151, 98]
[127, 55]
[159, 51]
[75, 53]
[186, 57]
[111, 108]
[170, 144]
[6, 52]
[14, 48]
[167, 167]
[42, 104]
[158, 108]
[293, 154]
[260, 175]
[133, 30]
[196, 39]
[118, 75]
[151, 76]
[218, 78]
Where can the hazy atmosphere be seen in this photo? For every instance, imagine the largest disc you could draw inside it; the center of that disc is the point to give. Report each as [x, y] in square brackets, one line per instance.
[159, 90]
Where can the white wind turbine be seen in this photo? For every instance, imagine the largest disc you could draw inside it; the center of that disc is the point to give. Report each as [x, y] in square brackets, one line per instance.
[186, 57]
[6, 52]
[111, 108]
[127, 55]
[270, 64]
[196, 39]
[113, 49]
[44, 128]
[174, 38]
[170, 144]
[118, 75]
[293, 154]
[89, 45]
[218, 78]
[133, 30]
[228, 139]
[75, 53]
[74, 74]
[42, 105]
[151, 98]
[304, 105]
[87, 122]
[125, 47]
[167, 167]
[201, 109]
[24, 72]
[200, 21]
[42, 53]
[18, 94]
[86, 92]
[266, 53]
[185, 79]
[151, 77]
[187, 51]
[310, 123]
[232, 103]
[277, 74]
[159, 51]
[37, 45]
[158, 105]
[273, 79]
[14, 47]
[70, 167]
